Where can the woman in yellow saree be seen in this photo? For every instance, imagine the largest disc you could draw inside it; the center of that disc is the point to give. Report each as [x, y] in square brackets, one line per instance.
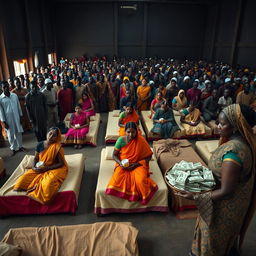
[191, 121]
[129, 115]
[132, 182]
[143, 93]
[49, 170]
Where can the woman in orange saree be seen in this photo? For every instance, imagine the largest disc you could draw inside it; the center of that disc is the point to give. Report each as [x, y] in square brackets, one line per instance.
[129, 115]
[132, 182]
[143, 93]
[49, 170]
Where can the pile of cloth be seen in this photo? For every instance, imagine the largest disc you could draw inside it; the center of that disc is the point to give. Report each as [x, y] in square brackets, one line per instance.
[191, 177]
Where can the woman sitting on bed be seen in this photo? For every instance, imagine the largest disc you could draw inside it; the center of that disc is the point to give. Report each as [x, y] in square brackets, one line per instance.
[131, 180]
[191, 120]
[79, 128]
[129, 115]
[49, 170]
[164, 122]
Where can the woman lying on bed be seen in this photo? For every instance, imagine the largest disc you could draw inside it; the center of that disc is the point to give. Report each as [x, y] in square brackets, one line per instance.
[49, 170]
[131, 180]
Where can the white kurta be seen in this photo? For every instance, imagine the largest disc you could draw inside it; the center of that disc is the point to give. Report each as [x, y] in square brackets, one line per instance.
[10, 112]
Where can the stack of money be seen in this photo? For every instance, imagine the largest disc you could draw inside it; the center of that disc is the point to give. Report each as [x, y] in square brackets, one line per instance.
[192, 177]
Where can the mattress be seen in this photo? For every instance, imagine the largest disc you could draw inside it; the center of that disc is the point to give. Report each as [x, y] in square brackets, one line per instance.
[105, 204]
[205, 148]
[167, 156]
[66, 200]
[104, 239]
[215, 130]
[2, 168]
[148, 125]
[112, 131]
[91, 137]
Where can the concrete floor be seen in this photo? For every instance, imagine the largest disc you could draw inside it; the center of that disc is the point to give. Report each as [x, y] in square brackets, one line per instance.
[159, 234]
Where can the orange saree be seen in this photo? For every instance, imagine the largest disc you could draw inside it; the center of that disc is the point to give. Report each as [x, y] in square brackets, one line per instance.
[143, 92]
[133, 185]
[42, 187]
[134, 117]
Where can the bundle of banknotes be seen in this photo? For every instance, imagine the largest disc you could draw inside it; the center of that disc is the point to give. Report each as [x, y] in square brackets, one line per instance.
[192, 177]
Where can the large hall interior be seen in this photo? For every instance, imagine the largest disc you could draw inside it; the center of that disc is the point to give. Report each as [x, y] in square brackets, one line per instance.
[127, 127]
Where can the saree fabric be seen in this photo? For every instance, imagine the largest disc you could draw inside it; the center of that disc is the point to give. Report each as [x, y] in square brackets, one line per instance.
[221, 225]
[228, 214]
[134, 185]
[133, 117]
[166, 130]
[193, 117]
[143, 92]
[87, 104]
[43, 187]
[77, 136]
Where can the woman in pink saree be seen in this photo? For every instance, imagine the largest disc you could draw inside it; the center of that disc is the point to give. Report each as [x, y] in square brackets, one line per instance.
[87, 105]
[79, 128]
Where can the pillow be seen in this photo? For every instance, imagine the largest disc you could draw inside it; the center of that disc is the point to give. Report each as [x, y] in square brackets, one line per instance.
[116, 113]
[9, 249]
[211, 146]
[93, 118]
[109, 153]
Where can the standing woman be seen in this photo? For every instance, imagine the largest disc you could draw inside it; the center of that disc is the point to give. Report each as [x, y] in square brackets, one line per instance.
[143, 94]
[225, 213]
[87, 104]
[79, 128]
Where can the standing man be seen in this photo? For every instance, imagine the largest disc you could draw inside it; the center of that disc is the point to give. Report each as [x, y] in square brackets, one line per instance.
[37, 111]
[10, 115]
[51, 102]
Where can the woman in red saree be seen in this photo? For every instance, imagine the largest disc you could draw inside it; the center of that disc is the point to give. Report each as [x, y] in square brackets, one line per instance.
[129, 115]
[43, 182]
[132, 182]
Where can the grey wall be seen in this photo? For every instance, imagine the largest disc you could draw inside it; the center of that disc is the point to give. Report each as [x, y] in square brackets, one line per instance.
[28, 28]
[162, 29]
[231, 23]
[212, 30]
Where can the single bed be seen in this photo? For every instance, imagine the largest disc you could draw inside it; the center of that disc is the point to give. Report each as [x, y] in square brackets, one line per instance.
[205, 148]
[169, 152]
[148, 125]
[105, 204]
[13, 202]
[103, 239]
[91, 137]
[2, 168]
[112, 132]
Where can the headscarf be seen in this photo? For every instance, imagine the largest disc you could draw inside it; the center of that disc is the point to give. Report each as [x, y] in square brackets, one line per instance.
[237, 120]
[182, 103]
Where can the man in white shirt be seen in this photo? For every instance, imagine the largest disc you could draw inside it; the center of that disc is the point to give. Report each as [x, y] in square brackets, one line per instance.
[10, 115]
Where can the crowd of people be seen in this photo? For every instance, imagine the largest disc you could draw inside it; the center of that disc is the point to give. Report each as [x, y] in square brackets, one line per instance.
[195, 89]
